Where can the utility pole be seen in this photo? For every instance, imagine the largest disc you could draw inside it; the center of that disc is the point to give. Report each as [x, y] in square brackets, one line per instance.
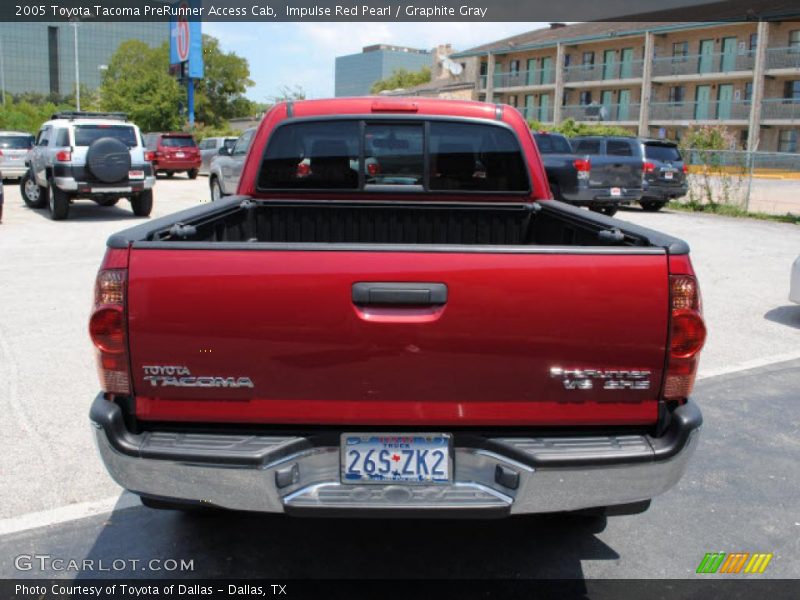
[77, 68]
[2, 74]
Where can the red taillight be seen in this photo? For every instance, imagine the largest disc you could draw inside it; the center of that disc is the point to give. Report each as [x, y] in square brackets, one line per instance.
[648, 167]
[108, 331]
[373, 169]
[149, 156]
[687, 336]
[303, 170]
[582, 164]
[64, 156]
[685, 170]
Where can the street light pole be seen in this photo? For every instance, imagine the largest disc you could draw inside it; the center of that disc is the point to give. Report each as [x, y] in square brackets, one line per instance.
[2, 74]
[77, 68]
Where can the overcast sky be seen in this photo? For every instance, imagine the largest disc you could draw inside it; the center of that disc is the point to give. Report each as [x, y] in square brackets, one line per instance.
[289, 54]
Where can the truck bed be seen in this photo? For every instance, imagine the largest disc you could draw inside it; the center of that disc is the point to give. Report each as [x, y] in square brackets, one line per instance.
[237, 220]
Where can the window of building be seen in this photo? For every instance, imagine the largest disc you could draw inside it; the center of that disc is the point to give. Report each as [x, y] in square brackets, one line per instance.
[680, 50]
[791, 91]
[753, 42]
[748, 92]
[512, 100]
[588, 59]
[677, 94]
[513, 66]
[567, 60]
[787, 140]
[484, 68]
[743, 135]
[586, 97]
[794, 40]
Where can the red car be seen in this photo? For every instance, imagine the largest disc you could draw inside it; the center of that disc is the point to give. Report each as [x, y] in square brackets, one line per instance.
[173, 152]
[394, 317]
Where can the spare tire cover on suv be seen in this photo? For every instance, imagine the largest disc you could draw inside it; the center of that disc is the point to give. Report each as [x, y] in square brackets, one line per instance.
[109, 160]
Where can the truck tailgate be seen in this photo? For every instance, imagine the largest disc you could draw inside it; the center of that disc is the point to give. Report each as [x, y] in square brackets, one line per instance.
[276, 337]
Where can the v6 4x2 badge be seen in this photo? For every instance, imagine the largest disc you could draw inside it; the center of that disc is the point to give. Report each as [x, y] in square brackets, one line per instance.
[606, 379]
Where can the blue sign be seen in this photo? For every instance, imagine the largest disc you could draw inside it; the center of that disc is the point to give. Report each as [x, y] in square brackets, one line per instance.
[186, 38]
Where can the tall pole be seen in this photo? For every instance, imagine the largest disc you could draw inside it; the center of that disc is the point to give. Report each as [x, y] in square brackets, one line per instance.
[77, 69]
[2, 74]
[190, 100]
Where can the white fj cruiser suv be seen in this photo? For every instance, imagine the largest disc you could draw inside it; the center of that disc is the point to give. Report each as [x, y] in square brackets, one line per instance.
[97, 156]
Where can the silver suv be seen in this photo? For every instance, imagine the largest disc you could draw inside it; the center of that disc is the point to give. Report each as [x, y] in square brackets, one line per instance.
[97, 156]
[14, 148]
[226, 167]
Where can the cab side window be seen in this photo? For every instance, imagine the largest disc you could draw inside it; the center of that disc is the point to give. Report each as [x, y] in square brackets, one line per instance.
[62, 138]
[41, 139]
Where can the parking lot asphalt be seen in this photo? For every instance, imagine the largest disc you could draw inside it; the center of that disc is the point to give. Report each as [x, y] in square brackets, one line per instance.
[51, 473]
[739, 495]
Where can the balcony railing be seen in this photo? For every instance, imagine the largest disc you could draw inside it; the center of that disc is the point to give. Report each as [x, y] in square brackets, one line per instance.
[601, 112]
[710, 62]
[521, 78]
[627, 69]
[720, 110]
[543, 114]
[780, 108]
[783, 58]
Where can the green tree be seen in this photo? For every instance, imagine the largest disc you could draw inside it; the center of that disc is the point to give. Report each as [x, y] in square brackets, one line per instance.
[570, 128]
[402, 79]
[137, 82]
[219, 96]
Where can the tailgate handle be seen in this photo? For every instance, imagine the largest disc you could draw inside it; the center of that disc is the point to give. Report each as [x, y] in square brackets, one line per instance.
[412, 294]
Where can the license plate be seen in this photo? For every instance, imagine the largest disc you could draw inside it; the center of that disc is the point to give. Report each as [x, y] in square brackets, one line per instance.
[135, 174]
[180, 155]
[668, 175]
[616, 192]
[387, 457]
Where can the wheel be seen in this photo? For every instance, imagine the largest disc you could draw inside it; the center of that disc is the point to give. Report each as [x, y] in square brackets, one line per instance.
[142, 203]
[170, 174]
[107, 201]
[609, 211]
[33, 194]
[216, 190]
[58, 203]
[652, 205]
[192, 173]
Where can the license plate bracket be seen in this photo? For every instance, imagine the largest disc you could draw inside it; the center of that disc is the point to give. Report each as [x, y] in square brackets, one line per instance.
[615, 191]
[399, 458]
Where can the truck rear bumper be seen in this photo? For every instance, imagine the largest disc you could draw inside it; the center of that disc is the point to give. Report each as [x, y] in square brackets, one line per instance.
[601, 197]
[498, 476]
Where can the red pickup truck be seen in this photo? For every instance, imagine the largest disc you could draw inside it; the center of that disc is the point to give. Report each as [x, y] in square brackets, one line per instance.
[394, 317]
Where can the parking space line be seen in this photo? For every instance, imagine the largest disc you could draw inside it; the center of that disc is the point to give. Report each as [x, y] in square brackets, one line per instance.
[749, 364]
[70, 512]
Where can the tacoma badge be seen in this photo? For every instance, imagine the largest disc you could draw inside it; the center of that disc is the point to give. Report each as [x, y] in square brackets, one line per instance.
[180, 376]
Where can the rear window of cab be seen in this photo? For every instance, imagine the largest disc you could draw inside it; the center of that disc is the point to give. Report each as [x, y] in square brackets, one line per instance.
[394, 155]
[86, 135]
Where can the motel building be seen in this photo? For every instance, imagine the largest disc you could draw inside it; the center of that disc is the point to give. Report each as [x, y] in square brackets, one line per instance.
[654, 79]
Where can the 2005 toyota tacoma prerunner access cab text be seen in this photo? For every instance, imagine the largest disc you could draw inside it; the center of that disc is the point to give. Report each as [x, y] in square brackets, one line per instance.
[393, 317]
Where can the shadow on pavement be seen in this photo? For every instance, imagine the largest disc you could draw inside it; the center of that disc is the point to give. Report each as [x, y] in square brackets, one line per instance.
[785, 315]
[86, 210]
[248, 545]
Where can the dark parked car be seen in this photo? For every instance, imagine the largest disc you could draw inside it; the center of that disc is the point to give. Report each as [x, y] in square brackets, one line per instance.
[173, 152]
[567, 173]
[615, 177]
[664, 174]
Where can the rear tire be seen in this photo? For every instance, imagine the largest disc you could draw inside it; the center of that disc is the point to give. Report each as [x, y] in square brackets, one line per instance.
[192, 173]
[216, 190]
[34, 195]
[609, 211]
[58, 204]
[652, 205]
[170, 174]
[142, 203]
